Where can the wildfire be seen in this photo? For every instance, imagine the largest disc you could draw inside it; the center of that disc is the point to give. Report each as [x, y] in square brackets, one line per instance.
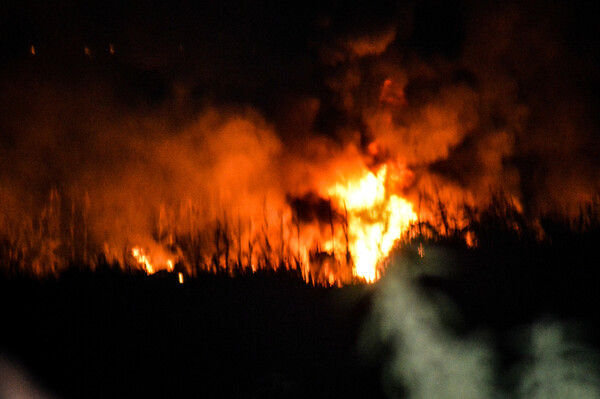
[375, 219]
[143, 259]
[152, 264]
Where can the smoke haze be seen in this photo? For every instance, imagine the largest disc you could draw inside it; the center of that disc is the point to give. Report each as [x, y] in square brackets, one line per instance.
[236, 105]
[420, 337]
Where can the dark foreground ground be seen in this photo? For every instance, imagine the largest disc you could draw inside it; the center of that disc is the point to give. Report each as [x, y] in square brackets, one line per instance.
[115, 335]
[90, 336]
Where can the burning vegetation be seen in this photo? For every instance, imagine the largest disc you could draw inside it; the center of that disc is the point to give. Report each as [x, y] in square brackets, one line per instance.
[341, 236]
[157, 149]
[226, 195]
[171, 154]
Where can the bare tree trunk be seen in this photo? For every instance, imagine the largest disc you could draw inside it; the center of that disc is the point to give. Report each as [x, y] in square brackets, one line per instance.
[52, 239]
[239, 257]
[443, 212]
[346, 236]
[72, 231]
[267, 250]
[331, 225]
[282, 249]
[194, 239]
[419, 214]
[226, 241]
[85, 215]
[217, 256]
[298, 263]
[250, 245]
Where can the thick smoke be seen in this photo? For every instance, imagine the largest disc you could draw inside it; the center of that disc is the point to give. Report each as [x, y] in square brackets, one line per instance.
[557, 363]
[128, 163]
[418, 335]
[427, 360]
[237, 106]
[477, 98]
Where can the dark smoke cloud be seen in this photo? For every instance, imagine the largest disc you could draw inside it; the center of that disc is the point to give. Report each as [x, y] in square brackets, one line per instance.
[487, 96]
[129, 160]
[139, 104]
[311, 207]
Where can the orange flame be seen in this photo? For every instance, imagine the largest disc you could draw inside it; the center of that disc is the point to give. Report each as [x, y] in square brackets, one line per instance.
[143, 259]
[376, 219]
[150, 265]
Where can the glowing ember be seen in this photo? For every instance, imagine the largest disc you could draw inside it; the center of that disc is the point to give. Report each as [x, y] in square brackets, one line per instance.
[376, 219]
[180, 276]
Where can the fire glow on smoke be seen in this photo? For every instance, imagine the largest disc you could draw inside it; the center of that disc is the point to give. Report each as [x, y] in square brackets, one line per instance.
[187, 144]
[374, 216]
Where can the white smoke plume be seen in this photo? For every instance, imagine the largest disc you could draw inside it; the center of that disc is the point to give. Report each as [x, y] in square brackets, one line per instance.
[556, 365]
[16, 383]
[429, 359]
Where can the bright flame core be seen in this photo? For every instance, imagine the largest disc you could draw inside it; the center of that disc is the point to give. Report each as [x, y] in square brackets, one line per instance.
[376, 219]
[143, 259]
[373, 219]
